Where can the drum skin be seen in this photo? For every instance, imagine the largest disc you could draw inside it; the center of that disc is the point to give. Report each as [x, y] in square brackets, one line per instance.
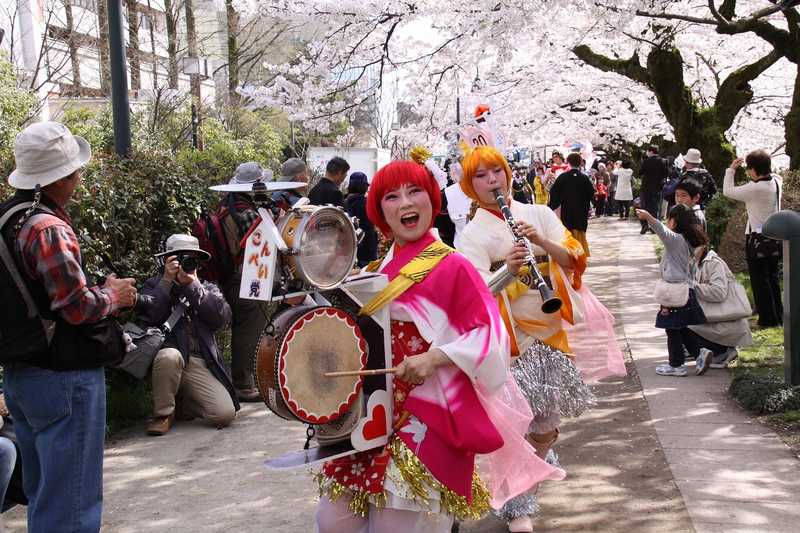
[290, 363]
[295, 226]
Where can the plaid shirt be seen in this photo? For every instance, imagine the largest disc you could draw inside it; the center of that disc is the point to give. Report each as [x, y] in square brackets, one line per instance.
[51, 256]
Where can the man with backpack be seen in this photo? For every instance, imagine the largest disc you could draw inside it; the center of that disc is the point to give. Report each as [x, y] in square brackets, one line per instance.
[220, 234]
[693, 170]
[54, 381]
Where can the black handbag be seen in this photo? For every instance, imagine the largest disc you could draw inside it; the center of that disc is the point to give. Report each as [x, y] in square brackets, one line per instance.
[759, 245]
[140, 353]
[146, 342]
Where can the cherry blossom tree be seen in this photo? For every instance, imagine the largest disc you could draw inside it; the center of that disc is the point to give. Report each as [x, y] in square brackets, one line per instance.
[529, 60]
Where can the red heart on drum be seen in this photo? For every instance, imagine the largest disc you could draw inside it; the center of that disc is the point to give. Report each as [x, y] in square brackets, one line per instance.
[376, 425]
[373, 429]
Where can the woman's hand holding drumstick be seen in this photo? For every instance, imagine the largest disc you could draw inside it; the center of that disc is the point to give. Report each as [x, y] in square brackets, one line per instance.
[413, 369]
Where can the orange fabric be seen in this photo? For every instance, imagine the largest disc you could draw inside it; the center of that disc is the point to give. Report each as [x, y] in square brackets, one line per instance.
[504, 314]
[580, 261]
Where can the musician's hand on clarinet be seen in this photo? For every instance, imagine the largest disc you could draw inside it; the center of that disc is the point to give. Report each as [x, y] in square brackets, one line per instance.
[530, 233]
[417, 368]
[516, 258]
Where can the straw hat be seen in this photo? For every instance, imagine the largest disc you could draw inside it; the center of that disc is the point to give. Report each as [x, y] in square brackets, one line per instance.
[45, 152]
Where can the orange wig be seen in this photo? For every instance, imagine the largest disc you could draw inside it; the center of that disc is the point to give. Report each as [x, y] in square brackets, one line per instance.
[489, 157]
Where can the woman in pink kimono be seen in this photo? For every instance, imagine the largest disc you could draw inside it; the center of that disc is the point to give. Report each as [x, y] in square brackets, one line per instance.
[454, 397]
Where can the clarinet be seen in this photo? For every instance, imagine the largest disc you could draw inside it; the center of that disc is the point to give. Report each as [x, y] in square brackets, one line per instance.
[551, 304]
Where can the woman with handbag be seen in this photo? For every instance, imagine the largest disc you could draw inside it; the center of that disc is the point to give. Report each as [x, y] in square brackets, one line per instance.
[724, 302]
[675, 291]
[761, 197]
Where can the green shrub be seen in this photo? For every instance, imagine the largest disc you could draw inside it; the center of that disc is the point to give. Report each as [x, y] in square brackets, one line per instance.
[16, 107]
[128, 400]
[764, 393]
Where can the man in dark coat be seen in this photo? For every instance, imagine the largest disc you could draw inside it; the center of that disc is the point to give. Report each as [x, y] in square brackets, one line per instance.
[327, 192]
[572, 193]
[653, 172]
[188, 362]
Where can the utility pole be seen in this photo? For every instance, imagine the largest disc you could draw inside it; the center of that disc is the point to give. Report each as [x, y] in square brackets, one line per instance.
[119, 80]
[191, 38]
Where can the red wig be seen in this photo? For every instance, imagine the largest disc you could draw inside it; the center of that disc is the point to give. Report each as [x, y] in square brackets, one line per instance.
[391, 177]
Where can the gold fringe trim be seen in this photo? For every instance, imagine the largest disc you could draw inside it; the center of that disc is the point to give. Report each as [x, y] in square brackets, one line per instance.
[418, 479]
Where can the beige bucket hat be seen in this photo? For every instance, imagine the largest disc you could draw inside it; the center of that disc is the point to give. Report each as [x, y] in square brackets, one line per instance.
[44, 153]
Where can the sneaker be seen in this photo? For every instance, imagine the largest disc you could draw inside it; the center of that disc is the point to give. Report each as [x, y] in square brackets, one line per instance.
[725, 358]
[703, 361]
[667, 370]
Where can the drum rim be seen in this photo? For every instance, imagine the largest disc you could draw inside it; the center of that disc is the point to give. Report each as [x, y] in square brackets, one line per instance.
[297, 322]
[296, 245]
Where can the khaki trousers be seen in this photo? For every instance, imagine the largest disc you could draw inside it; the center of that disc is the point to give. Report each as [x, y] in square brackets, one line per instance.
[201, 394]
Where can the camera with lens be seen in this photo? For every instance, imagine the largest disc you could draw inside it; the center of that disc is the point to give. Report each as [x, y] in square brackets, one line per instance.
[188, 262]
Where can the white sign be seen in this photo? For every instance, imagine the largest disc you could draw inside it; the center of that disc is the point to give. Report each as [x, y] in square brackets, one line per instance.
[260, 261]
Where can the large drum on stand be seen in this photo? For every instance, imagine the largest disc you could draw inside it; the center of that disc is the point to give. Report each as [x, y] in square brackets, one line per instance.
[306, 342]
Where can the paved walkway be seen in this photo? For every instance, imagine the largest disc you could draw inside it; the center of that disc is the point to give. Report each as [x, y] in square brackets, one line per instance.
[735, 475]
[636, 463]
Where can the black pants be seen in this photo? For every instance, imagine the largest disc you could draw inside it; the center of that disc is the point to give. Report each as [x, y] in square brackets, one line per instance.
[764, 279]
[683, 341]
[600, 206]
[650, 203]
[624, 208]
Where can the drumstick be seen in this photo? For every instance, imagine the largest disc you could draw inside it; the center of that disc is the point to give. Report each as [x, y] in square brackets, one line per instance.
[346, 373]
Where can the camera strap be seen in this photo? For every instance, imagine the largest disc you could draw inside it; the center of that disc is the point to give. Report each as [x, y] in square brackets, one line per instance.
[175, 316]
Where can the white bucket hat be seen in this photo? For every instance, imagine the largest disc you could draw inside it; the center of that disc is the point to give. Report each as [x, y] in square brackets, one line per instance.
[45, 152]
[692, 155]
[180, 242]
[251, 172]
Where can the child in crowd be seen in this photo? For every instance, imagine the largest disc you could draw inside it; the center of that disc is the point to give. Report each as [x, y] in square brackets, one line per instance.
[687, 192]
[681, 236]
[600, 196]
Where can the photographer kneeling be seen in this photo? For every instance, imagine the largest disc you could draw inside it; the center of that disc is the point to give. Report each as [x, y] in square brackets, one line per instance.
[187, 369]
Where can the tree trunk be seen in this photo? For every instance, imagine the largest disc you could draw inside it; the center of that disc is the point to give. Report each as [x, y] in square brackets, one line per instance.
[72, 44]
[792, 126]
[133, 45]
[172, 16]
[233, 52]
[102, 45]
[693, 126]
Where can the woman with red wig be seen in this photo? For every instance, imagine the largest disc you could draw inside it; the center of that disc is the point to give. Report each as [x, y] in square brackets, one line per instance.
[543, 369]
[454, 397]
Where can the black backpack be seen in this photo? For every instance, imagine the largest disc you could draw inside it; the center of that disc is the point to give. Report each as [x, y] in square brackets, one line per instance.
[22, 330]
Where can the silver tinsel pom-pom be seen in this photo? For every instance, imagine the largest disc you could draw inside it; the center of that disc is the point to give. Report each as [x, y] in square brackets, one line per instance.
[551, 383]
[524, 504]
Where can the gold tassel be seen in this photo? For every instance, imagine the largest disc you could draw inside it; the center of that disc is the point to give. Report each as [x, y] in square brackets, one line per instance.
[417, 477]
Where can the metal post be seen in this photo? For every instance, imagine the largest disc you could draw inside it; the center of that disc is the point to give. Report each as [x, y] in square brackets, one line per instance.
[785, 226]
[458, 110]
[119, 80]
[195, 139]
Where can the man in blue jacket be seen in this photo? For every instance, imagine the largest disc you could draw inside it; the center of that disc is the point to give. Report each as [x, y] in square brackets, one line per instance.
[188, 372]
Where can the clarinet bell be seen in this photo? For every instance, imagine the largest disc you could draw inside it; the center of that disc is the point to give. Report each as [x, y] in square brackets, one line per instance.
[552, 305]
